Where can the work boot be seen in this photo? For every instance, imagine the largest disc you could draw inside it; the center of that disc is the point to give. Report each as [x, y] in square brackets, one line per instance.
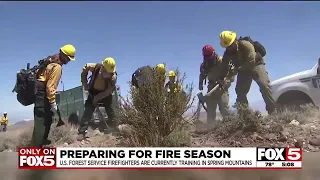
[212, 124]
[200, 96]
[81, 136]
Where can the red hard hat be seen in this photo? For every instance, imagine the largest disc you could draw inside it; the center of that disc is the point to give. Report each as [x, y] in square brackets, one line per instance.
[207, 50]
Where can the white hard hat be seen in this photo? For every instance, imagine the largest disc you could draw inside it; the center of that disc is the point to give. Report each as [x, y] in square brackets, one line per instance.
[5, 113]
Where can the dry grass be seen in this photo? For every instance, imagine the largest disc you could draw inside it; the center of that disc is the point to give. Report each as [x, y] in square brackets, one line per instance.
[246, 121]
[156, 118]
[12, 140]
[249, 121]
[249, 128]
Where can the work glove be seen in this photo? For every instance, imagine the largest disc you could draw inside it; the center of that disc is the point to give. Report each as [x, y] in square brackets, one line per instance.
[54, 108]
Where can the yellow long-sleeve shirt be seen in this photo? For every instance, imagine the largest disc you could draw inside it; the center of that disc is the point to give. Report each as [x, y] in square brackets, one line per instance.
[51, 76]
[4, 120]
[173, 87]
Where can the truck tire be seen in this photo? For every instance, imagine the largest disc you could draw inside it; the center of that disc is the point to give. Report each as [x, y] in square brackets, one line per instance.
[293, 100]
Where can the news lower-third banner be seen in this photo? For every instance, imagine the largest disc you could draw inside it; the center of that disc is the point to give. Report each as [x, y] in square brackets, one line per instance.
[160, 158]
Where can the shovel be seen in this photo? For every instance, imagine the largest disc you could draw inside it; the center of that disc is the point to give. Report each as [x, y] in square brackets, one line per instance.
[202, 97]
[101, 117]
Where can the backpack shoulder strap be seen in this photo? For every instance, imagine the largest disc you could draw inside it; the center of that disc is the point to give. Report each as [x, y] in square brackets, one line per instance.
[96, 70]
[42, 65]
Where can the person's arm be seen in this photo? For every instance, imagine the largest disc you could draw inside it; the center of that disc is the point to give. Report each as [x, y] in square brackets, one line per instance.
[85, 70]
[249, 54]
[53, 77]
[230, 77]
[109, 90]
[225, 61]
[202, 76]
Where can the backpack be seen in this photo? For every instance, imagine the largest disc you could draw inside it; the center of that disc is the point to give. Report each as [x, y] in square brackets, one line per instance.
[259, 48]
[139, 77]
[25, 86]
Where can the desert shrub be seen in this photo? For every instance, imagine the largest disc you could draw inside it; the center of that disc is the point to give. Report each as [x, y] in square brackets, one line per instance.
[156, 117]
[12, 140]
[63, 134]
[245, 120]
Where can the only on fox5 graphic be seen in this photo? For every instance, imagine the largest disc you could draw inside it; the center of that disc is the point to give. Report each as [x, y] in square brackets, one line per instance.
[279, 157]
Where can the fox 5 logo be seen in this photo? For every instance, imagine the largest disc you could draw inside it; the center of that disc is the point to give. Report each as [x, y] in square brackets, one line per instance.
[36, 161]
[279, 154]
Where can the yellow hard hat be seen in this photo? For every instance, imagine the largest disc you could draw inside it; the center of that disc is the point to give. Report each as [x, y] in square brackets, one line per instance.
[227, 38]
[109, 64]
[69, 50]
[171, 74]
[161, 68]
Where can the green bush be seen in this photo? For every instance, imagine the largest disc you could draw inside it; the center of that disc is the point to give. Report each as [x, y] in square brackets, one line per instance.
[156, 117]
[246, 120]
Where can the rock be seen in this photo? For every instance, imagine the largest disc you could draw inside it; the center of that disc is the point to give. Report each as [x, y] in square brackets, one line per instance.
[298, 143]
[259, 138]
[237, 144]
[285, 133]
[315, 141]
[65, 144]
[238, 133]
[127, 129]
[294, 122]
[211, 144]
[270, 136]
[313, 127]
[7, 150]
[256, 136]
[283, 138]
[311, 148]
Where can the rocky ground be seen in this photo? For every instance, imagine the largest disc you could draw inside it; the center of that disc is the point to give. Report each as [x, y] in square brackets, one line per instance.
[294, 129]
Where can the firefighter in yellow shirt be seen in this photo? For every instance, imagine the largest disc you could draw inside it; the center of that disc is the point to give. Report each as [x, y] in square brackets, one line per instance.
[4, 122]
[45, 105]
[172, 86]
[100, 88]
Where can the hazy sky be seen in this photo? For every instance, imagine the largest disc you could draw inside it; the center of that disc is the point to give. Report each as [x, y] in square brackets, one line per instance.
[140, 33]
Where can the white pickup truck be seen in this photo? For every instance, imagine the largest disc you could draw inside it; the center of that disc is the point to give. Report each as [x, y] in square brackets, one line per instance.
[298, 89]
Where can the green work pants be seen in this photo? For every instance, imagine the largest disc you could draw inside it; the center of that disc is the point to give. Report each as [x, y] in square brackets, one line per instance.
[260, 75]
[42, 117]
